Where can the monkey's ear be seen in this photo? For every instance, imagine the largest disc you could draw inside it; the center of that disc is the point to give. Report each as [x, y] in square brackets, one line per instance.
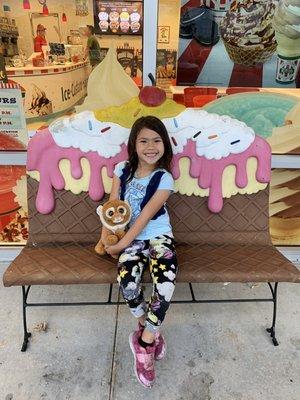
[99, 210]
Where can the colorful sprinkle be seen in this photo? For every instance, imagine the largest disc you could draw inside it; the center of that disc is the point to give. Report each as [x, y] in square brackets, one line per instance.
[236, 141]
[196, 134]
[212, 136]
[105, 129]
[90, 126]
[137, 111]
[175, 122]
[174, 141]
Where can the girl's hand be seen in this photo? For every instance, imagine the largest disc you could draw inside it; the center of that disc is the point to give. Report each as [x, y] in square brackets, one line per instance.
[114, 250]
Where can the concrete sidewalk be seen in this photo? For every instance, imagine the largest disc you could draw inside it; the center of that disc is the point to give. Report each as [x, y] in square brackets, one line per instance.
[215, 351]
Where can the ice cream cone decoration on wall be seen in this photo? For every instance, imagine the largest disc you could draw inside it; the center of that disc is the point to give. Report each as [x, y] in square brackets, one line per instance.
[287, 32]
[247, 31]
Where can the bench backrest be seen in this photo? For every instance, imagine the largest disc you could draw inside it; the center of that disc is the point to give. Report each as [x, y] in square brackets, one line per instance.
[243, 219]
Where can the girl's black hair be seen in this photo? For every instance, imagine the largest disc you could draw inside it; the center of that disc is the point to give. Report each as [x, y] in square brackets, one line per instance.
[156, 125]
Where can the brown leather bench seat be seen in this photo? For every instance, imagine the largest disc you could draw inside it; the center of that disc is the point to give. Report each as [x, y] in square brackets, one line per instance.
[74, 263]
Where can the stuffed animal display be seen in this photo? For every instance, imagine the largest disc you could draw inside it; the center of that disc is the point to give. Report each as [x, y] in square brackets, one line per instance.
[114, 215]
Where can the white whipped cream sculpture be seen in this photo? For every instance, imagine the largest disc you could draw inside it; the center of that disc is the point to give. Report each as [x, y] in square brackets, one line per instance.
[215, 136]
[83, 131]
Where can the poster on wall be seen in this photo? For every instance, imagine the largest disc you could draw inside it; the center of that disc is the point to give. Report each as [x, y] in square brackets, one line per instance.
[13, 205]
[239, 43]
[130, 58]
[13, 131]
[121, 18]
[126, 58]
[82, 7]
[166, 63]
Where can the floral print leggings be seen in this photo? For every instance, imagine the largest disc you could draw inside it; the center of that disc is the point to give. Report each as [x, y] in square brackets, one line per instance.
[159, 253]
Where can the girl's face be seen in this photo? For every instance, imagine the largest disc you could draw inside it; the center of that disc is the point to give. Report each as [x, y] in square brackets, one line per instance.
[149, 147]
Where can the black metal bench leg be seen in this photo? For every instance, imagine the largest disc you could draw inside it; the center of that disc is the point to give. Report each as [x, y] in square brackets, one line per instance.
[26, 333]
[271, 330]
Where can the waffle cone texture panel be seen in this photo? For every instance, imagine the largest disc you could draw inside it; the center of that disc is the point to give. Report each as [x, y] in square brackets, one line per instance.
[249, 57]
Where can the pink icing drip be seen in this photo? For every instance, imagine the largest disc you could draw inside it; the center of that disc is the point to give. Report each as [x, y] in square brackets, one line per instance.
[44, 156]
[210, 172]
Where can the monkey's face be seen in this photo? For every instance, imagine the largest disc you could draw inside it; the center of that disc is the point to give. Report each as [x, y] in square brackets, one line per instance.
[116, 212]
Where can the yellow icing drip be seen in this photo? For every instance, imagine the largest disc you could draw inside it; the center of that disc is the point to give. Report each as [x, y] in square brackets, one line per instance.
[229, 187]
[34, 174]
[76, 186]
[126, 114]
[184, 185]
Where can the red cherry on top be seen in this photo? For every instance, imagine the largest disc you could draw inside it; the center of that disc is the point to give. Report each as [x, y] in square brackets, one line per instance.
[152, 96]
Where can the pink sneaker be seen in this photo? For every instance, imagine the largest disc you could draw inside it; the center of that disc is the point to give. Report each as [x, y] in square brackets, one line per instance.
[160, 344]
[143, 360]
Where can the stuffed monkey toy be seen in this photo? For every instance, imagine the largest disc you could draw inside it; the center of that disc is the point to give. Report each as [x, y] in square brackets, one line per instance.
[114, 215]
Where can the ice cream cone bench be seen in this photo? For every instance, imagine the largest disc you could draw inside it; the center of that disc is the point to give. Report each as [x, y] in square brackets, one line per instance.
[219, 211]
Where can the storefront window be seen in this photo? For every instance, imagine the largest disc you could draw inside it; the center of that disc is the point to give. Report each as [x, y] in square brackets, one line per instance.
[45, 67]
[241, 43]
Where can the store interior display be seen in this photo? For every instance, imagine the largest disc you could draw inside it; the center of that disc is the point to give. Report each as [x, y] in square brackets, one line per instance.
[121, 18]
[75, 37]
[74, 53]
